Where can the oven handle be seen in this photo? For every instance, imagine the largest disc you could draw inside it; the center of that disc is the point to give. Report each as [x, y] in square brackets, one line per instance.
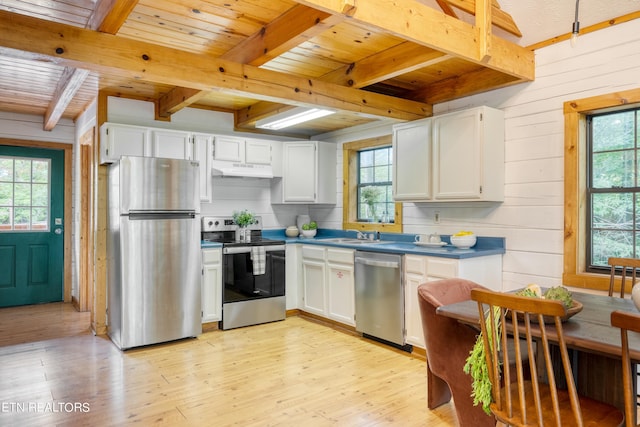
[247, 249]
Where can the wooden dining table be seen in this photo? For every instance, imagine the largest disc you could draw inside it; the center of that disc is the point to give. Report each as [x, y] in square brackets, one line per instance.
[595, 344]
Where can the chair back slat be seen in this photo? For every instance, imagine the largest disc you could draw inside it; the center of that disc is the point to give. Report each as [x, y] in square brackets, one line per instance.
[627, 321]
[626, 265]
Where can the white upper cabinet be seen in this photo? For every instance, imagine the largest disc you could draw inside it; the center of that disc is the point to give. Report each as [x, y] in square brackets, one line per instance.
[172, 144]
[308, 174]
[203, 154]
[118, 140]
[412, 154]
[229, 148]
[468, 155]
[242, 150]
[453, 157]
[258, 152]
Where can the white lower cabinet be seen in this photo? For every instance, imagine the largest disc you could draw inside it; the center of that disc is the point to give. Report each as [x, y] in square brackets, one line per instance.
[211, 285]
[293, 276]
[486, 271]
[328, 283]
[341, 286]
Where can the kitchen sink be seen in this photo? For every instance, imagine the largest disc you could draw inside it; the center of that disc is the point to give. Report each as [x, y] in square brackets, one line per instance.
[351, 241]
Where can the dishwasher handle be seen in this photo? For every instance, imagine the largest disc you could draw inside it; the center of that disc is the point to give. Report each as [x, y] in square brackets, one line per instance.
[377, 263]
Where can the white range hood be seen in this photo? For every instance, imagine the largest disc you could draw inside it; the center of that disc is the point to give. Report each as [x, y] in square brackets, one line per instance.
[240, 170]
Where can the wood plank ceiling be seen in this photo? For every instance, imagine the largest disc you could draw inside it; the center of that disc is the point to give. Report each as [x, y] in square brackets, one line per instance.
[368, 60]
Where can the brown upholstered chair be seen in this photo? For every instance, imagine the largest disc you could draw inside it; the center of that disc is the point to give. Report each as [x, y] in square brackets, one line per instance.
[448, 344]
[532, 402]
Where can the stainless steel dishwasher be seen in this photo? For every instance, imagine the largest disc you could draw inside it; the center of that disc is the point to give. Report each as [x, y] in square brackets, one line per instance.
[380, 296]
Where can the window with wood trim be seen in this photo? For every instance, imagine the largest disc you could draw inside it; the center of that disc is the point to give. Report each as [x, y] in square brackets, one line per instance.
[577, 261]
[612, 188]
[367, 192]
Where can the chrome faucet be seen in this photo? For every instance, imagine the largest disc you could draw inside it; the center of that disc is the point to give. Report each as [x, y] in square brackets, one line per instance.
[360, 235]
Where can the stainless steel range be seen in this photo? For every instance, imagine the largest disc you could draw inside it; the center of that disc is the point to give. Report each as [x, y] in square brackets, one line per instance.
[253, 273]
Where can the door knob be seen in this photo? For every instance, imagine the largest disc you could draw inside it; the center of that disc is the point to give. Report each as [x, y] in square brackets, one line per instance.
[58, 231]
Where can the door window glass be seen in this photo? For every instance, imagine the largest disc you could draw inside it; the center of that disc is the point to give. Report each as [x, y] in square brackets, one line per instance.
[24, 194]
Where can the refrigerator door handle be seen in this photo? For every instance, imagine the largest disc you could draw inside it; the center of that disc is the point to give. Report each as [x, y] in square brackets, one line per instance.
[162, 215]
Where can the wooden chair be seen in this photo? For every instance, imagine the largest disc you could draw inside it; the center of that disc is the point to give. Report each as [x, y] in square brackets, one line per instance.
[538, 401]
[627, 321]
[622, 264]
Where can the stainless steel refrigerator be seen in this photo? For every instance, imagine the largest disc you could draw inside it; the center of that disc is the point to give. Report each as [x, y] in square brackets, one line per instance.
[153, 249]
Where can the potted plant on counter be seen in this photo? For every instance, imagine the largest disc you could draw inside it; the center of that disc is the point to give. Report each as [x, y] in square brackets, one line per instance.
[244, 219]
[310, 229]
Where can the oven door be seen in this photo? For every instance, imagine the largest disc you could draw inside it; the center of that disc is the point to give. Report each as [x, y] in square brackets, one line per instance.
[240, 281]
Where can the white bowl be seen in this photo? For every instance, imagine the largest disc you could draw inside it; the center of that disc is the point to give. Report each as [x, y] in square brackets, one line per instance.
[464, 242]
[309, 233]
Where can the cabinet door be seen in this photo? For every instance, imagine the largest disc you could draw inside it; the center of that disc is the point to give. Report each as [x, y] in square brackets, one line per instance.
[340, 286]
[123, 140]
[313, 276]
[258, 152]
[203, 154]
[413, 321]
[299, 172]
[172, 144]
[229, 148]
[457, 155]
[412, 161]
[211, 285]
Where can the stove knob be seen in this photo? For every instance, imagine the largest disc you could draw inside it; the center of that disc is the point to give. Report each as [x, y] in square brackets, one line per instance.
[217, 223]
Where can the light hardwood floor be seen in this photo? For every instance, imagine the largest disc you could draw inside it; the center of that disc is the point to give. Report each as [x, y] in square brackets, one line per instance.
[296, 372]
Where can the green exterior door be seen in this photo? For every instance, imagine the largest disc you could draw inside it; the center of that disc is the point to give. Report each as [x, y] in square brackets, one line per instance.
[31, 221]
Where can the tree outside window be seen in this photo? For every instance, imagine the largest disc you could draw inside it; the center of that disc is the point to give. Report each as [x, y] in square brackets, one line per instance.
[613, 189]
[375, 198]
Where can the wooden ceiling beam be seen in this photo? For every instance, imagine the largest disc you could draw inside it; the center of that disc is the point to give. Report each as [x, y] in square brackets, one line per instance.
[400, 59]
[295, 26]
[72, 46]
[109, 15]
[177, 99]
[68, 85]
[416, 22]
[501, 19]
[292, 28]
[464, 85]
[446, 8]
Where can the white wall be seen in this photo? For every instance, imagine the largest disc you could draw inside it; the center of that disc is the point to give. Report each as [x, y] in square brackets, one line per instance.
[531, 217]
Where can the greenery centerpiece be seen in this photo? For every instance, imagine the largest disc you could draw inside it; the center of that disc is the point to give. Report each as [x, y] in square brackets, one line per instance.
[244, 218]
[476, 364]
[309, 229]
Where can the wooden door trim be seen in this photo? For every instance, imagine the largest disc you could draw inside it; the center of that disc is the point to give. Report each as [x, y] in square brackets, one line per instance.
[68, 193]
[85, 261]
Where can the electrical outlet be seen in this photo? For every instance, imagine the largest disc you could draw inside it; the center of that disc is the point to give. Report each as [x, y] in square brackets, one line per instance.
[436, 217]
